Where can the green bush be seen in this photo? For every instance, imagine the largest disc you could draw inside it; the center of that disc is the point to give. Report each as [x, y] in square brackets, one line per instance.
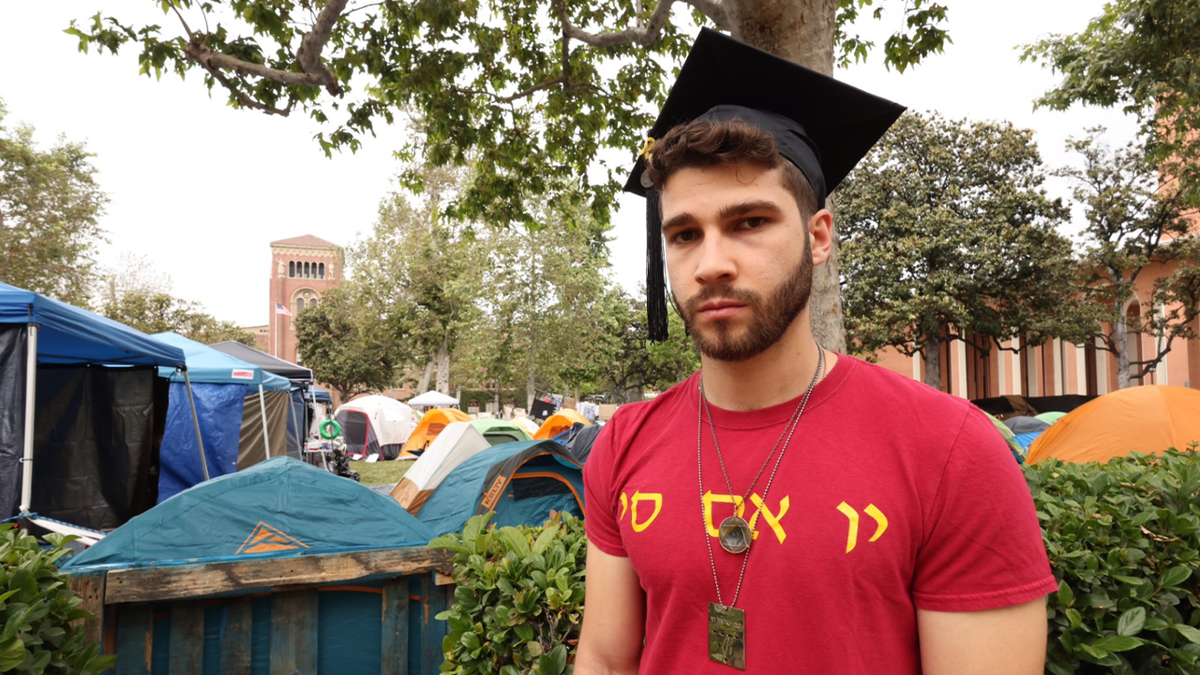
[519, 601]
[1123, 542]
[37, 610]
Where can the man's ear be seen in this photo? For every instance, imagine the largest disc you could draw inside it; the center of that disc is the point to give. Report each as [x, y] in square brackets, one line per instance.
[820, 236]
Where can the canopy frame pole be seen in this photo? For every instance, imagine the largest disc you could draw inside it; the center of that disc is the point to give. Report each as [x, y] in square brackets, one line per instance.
[30, 404]
[196, 423]
[296, 423]
[262, 406]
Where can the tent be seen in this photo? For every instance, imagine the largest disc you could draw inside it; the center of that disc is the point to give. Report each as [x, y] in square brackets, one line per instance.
[522, 482]
[527, 424]
[1149, 419]
[501, 431]
[277, 509]
[581, 440]
[432, 399]
[1023, 424]
[1050, 417]
[78, 399]
[375, 425]
[298, 413]
[430, 426]
[457, 443]
[1007, 435]
[226, 391]
[559, 422]
[1003, 407]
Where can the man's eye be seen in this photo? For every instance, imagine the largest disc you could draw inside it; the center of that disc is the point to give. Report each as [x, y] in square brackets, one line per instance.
[754, 223]
[685, 236]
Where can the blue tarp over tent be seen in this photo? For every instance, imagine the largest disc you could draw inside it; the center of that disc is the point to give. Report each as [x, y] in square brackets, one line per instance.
[522, 482]
[220, 384]
[68, 334]
[279, 508]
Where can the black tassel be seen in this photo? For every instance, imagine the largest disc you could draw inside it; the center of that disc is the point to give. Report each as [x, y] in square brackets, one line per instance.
[656, 291]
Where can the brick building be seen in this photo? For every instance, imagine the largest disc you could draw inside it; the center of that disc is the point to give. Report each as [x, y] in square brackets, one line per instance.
[302, 269]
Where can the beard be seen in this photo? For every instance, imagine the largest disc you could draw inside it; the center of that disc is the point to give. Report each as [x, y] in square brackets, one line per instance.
[769, 318]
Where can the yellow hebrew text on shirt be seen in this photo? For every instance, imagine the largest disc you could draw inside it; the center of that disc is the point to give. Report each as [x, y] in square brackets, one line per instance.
[771, 518]
[881, 523]
[638, 497]
[624, 506]
[710, 499]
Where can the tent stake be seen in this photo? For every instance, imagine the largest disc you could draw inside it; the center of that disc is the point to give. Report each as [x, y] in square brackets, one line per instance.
[30, 404]
[196, 422]
[262, 404]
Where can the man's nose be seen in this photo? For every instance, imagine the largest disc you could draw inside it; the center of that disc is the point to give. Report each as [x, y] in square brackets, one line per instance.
[716, 263]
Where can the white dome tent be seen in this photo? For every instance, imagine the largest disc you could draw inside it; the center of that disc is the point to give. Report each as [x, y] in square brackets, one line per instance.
[457, 443]
[375, 425]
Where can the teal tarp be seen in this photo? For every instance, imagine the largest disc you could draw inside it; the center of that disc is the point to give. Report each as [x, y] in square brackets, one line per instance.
[522, 482]
[208, 366]
[279, 508]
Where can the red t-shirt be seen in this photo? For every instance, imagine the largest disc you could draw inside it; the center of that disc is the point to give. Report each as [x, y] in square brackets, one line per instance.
[891, 497]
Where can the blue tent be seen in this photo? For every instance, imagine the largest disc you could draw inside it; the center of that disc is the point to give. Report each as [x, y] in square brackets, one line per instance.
[522, 482]
[220, 385]
[93, 425]
[279, 508]
[321, 396]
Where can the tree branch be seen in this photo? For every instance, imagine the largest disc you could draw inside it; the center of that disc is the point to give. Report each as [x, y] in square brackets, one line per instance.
[309, 54]
[715, 10]
[641, 36]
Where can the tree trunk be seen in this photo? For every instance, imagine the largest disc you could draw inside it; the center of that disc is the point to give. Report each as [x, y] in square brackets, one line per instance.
[1120, 341]
[499, 409]
[801, 32]
[426, 375]
[443, 366]
[529, 392]
[932, 362]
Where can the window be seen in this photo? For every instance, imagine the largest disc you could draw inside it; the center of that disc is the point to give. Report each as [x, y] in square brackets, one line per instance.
[321, 272]
[299, 305]
[292, 268]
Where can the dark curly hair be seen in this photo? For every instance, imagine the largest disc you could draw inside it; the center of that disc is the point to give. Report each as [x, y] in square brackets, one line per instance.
[704, 143]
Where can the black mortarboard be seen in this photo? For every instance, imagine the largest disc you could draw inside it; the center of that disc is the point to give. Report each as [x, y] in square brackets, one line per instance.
[821, 125]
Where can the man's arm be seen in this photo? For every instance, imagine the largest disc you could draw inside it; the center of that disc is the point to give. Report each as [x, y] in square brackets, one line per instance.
[1005, 641]
[614, 617]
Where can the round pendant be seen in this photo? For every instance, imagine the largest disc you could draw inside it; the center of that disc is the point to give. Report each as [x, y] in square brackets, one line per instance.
[735, 534]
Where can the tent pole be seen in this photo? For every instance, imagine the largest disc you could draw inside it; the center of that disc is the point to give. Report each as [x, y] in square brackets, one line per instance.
[262, 405]
[30, 404]
[196, 423]
[295, 424]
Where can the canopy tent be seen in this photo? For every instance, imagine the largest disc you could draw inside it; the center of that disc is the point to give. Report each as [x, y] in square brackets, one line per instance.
[321, 396]
[221, 385]
[86, 427]
[559, 422]
[457, 443]
[265, 361]
[1003, 407]
[1148, 419]
[432, 399]
[1007, 435]
[431, 425]
[1023, 424]
[522, 482]
[1050, 417]
[581, 440]
[280, 508]
[501, 431]
[375, 425]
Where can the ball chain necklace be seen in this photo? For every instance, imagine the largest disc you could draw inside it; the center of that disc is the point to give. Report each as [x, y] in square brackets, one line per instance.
[727, 623]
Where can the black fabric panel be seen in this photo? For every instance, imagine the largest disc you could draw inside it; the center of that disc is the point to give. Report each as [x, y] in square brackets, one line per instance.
[541, 411]
[13, 339]
[93, 443]
[538, 486]
[529, 459]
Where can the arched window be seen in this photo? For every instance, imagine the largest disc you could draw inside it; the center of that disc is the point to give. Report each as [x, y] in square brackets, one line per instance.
[321, 271]
[299, 305]
[307, 271]
[292, 268]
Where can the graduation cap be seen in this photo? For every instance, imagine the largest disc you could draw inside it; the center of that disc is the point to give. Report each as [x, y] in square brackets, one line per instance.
[822, 126]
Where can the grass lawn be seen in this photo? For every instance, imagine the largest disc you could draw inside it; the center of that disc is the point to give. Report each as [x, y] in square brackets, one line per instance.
[381, 472]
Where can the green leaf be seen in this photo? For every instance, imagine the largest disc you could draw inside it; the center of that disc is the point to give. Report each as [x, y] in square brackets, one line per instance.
[1066, 597]
[1131, 622]
[1116, 643]
[12, 653]
[1191, 633]
[1175, 576]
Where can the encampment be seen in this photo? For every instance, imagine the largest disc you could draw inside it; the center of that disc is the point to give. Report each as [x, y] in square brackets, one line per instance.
[232, 411]
[457, 443]
[375, 425]
[430, 426]
[300, 410]
[1007, 434]
[78, 400]
[559, 422]
[522, 482]
[580, 442]
[1149, 419]
[501, 431]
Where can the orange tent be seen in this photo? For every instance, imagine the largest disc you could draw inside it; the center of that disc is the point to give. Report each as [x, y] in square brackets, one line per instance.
[559, 422]
[430, 426]
[1146, 419]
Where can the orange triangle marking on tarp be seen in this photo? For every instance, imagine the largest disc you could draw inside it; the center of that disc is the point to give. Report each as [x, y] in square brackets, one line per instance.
[266, 539]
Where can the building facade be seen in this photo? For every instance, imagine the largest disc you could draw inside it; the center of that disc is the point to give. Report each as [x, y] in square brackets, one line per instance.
[302, 269]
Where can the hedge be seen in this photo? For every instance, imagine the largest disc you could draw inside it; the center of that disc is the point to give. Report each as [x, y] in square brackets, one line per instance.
[1123, 540]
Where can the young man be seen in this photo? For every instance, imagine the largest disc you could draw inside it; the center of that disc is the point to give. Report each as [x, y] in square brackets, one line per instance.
[788, 509]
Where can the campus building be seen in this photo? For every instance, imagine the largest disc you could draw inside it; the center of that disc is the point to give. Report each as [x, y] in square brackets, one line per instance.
[302, 269]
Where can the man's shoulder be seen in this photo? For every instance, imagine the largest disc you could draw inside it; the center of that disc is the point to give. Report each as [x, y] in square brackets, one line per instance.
[631, 417]
[873, 379]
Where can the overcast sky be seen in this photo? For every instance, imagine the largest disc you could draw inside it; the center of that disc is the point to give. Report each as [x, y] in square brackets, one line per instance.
[201, 189]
